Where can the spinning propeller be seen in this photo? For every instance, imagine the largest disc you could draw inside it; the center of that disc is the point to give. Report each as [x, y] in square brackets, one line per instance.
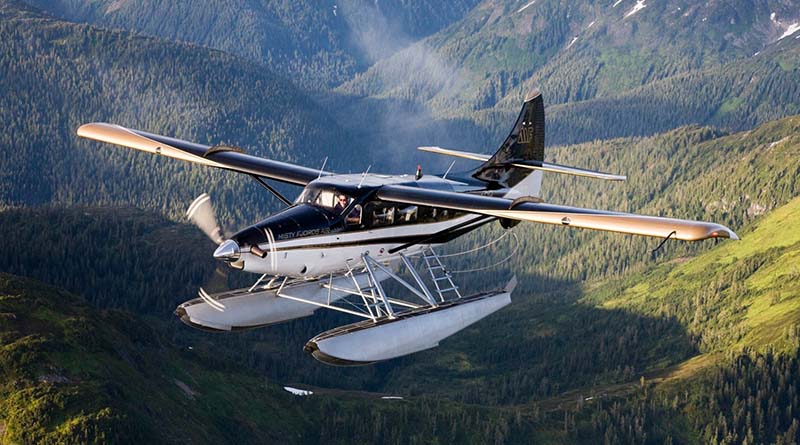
[201, 213]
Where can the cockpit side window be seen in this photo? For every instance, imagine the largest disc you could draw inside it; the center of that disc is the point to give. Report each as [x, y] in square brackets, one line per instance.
[328, 198]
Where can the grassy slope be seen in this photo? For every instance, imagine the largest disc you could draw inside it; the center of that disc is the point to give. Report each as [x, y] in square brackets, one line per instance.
[744, 293]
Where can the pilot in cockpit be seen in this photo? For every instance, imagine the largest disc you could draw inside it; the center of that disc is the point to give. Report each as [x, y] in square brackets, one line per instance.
[354, 217]
[341, 204]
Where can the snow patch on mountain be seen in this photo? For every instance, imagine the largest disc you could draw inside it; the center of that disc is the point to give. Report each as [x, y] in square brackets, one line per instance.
[793, 28]
[574, 39]
[298, 392]
[526, 6]
[636, 8]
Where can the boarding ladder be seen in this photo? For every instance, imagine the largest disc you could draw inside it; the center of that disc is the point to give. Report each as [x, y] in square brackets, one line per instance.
[442, 279]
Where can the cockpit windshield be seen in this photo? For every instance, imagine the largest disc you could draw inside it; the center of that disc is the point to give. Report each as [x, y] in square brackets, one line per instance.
[325, 197]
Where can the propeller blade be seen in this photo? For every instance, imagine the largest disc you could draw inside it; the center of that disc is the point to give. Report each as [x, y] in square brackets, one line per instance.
[201, 213]
[273, 252]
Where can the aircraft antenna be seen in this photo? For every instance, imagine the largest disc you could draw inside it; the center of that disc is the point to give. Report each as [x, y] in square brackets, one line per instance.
[444, 176]
[321, 169]
[364, 176]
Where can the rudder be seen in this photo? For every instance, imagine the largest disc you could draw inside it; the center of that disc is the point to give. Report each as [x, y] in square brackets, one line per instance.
[524, 143]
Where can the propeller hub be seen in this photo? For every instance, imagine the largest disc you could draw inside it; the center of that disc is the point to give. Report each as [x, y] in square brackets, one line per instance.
[228, 251]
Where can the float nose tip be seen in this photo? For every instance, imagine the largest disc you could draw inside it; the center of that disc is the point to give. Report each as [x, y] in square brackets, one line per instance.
[227, 251]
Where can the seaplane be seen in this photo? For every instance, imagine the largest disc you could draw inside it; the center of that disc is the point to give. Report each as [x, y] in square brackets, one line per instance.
[345, 235]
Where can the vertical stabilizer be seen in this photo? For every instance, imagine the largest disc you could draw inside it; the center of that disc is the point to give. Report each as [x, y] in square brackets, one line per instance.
[524, 143]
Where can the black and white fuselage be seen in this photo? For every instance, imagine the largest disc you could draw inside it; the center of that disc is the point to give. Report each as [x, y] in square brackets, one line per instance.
[315, 237]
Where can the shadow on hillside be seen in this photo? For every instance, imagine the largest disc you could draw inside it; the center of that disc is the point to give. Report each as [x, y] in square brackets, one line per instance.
[540, 346]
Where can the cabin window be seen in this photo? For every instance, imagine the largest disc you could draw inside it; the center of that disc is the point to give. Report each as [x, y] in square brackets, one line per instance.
[354, 216]
[382, 215]
[431, 214]
[407, 214]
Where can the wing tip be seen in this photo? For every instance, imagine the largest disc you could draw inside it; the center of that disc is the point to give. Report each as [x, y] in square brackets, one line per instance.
[84, 129]
[724, 232]
[91, 128]
[732, 235]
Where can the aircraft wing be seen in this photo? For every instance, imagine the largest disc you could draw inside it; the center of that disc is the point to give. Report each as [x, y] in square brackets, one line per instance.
[556, 214]
[229, 158]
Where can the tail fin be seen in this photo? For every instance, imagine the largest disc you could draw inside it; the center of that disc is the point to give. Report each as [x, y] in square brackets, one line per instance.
[524, 143]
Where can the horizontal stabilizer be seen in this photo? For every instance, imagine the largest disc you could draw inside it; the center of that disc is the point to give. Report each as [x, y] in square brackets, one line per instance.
[459, 154]
[532, 165]
[567, 170]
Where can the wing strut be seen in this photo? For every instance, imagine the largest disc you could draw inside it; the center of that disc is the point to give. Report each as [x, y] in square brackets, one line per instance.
[272, 190]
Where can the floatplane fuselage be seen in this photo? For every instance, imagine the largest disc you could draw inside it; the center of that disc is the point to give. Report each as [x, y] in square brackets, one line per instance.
[338, 219]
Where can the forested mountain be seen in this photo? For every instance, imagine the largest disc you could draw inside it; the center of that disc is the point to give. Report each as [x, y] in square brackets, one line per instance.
[58, 75]
[616, 74]
[454, 73]
[575, 50]
[606, 341]
[318, 44]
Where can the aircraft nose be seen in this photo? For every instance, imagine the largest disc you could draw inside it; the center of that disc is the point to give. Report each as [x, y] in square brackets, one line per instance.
[227, 251]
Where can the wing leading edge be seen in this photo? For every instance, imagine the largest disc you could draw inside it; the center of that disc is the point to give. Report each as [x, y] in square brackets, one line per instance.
[559, 215]
[218, 156]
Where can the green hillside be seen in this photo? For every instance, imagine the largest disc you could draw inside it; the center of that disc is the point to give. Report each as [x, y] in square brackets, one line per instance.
[740, 303]
[70, 374]
[57, 75]
[316, 44]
